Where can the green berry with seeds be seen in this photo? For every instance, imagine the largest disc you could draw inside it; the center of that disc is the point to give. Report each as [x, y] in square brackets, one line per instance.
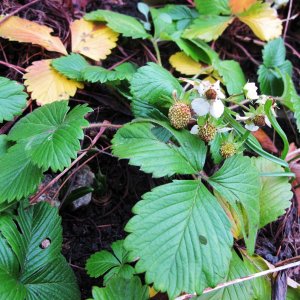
[179, 115]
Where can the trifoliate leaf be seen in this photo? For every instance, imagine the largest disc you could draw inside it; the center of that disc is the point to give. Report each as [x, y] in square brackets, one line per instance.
[116, 263]
[238, 182]
[263, 20]
[70, 66]
[12, 99]
[155, 156]
[185, 64]
[232, 74]
[47, 85]
[239, 6]
[152, 82]
[207, 28]
[92, 40]
[275, 194]
[51, 134]
[31, 266]
[121, 289]
[19, 177]
[212, 7]
[126, 25]
[192, 239]
[25, 31]
[291, 98]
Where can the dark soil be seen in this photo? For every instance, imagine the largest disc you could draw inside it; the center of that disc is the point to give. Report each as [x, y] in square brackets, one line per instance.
[94, 227]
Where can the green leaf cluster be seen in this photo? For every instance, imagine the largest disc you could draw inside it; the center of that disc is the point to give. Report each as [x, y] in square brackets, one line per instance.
[113, 265]
[46, 138]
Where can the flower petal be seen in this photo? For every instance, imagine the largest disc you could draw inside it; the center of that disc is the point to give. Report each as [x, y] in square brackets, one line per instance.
[250, 91]
[268, 123]
[194, 129]
[251, 127]
[200, 106]
[224, 129]
[216, 108]
[240, 118]
[217, 88]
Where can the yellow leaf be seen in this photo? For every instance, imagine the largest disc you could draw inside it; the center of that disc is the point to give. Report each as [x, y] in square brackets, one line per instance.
[152, 292]
[263, 20]
[184, 64]
[25, 31]
[239, 6]
[93, 40]
[47, 85]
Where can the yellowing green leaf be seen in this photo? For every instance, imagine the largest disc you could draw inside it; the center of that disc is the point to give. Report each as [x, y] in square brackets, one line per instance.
[207, 28]
[239, 6]
[94, 40]
[47, 85]
[25, 31]
[263, 20]
[184, 64]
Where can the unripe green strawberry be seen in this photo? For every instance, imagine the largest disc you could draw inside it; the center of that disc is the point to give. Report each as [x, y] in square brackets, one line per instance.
[259, 120]
[179, 115]
[227, 149]
[207, 132]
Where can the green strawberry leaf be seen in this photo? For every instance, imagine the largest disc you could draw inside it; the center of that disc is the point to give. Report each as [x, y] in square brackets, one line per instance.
[155, 156]
[29, 270]
[19, 177]
[51, 134]
[71, 66]
[207, 27]
[103, 261]
[275, 194]
[237, 181]
[182, 236]
[152, 83]
[213, 7]
[12, 99]
[121, 289]
[232, 74]
[126, 25]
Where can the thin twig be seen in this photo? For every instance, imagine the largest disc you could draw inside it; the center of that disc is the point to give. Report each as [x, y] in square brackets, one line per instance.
[123, 60]
[242, 279]
[288, 19]
[16, 68]
[17, 10]
[104, 124]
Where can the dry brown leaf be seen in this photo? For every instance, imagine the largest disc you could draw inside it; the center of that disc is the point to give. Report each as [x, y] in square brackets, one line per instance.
[47, 85]
[25, 31]
[238, 6]
[93, 40]
[265, 141]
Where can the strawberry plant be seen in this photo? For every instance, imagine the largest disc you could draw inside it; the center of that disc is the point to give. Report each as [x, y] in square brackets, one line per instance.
[200, 130]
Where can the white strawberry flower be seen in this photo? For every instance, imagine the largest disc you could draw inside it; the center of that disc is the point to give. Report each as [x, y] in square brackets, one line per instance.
[209, 99]
[250, 91]
[249, 120]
